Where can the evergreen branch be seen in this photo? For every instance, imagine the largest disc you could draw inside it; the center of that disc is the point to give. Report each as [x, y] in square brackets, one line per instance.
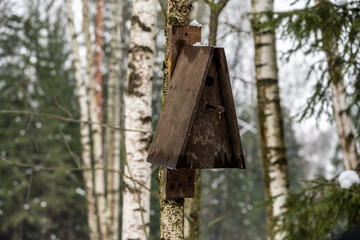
[320, 210]
[66, 119]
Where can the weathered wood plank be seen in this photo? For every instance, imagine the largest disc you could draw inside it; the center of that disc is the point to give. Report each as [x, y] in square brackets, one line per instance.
[180, 105]
[230, 113]
[180, 36]
[208, 144]
[179, 183]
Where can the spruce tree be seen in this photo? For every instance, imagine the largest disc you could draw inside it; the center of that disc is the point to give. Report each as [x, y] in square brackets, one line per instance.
[38, 202]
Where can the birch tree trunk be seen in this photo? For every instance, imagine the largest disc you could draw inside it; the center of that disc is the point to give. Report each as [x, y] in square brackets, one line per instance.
[84, 129]
[342, 112]
[114, 113]
[273, 149]
[344, 125]
[172, 210]
[99, 180]
[138, 111]
[340, 105]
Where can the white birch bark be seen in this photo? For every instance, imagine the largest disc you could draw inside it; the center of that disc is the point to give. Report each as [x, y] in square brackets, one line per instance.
[114, 136]
[99, 180]
[344, 125]
[136, 198]
[84, 129]
[270, 121]
[341, 106]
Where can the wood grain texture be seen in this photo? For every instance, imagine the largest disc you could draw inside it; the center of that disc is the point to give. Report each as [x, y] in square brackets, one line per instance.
[179, 36]
[180, 106]
[198, 127]
[230, 113]
[179, 183]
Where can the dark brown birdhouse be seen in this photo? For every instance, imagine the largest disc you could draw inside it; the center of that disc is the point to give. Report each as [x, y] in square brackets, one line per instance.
[198, 128]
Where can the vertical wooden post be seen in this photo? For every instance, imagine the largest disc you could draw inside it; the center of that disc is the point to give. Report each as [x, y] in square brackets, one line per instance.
[179, 183]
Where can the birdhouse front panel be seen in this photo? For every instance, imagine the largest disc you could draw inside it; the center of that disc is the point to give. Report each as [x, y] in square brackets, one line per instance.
[197, 127]
[209, 143]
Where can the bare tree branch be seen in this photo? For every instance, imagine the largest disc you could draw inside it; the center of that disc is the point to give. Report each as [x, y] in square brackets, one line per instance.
[66, 119]
[39, 167]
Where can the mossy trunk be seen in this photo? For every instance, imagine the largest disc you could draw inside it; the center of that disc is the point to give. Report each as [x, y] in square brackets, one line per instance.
[274, 161]
[172, 210]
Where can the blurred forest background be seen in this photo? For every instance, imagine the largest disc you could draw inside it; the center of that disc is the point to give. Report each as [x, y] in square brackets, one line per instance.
[42, 189]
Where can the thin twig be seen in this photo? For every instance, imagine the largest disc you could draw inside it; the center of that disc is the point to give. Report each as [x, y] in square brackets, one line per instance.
[41, 167]
[211, 224]
[66, 119]
[72, 154]
[63, 108]
[29, 187]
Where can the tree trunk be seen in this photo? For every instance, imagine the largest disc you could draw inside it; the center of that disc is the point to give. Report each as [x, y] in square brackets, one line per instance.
[114, 113]
[213, 26]
[138, 110]
[84, 130]
[98, 53]
[172, 210]
[344, 125]
[342, 112]
[192, 211]
[340, 105]
[215, 10]
[99, 180]
[273, 149]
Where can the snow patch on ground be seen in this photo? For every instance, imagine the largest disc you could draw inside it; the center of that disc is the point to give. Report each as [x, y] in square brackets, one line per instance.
[195, 23]
[348, 178]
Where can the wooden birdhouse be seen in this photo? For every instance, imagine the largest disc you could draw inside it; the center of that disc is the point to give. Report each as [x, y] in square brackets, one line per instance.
[197, 128]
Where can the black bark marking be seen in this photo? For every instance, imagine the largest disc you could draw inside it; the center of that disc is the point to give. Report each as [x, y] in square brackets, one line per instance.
[140, 49]
[134, 82]
[259, 45]
[136, 20]
[145, 119]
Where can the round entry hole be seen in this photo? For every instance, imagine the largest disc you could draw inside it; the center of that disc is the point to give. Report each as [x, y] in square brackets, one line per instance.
[209, 81]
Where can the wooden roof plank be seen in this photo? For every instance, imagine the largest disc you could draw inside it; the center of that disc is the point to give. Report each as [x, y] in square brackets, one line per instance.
[180, 105]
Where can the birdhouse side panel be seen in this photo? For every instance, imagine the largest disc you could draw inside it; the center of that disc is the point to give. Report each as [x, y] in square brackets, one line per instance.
[230, 113]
